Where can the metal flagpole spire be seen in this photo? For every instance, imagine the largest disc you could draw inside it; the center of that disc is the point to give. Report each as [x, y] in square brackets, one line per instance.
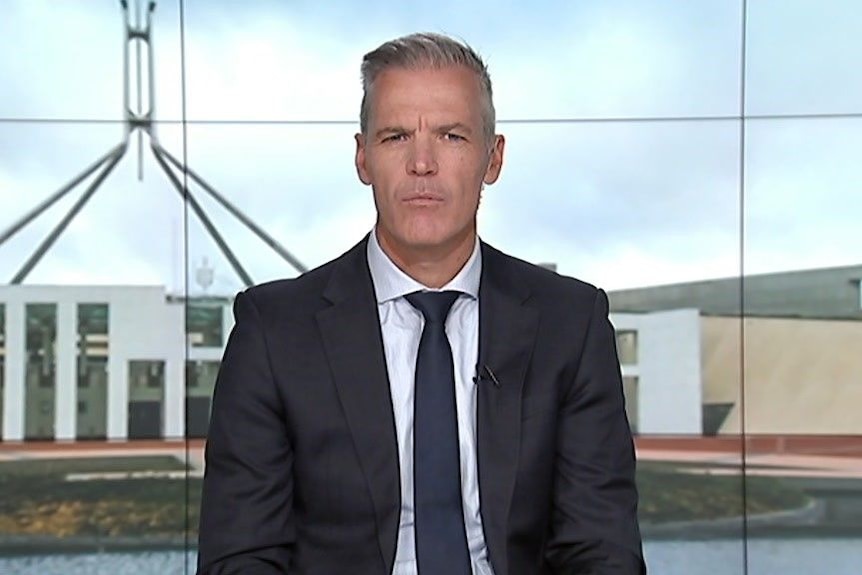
[140, 121]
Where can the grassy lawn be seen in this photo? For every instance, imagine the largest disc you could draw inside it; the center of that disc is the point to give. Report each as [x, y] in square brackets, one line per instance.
[37, 500]
[668, 493]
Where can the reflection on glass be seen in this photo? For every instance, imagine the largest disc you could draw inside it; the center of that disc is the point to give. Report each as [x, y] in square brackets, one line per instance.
[41, 371]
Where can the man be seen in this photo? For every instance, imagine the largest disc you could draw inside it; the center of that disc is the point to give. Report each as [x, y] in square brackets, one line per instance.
[424, 403]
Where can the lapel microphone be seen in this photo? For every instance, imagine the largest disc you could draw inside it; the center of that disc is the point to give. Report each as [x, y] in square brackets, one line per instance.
[485, 374]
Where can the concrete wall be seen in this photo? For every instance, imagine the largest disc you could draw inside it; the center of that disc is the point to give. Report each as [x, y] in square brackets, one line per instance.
[668, 370]
[801, 376]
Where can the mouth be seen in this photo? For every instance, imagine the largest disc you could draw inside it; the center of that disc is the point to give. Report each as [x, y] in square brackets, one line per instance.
[423, 199]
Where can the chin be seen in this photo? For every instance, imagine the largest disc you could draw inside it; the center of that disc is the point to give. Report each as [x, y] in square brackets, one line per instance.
[424, 241]
[425, 234]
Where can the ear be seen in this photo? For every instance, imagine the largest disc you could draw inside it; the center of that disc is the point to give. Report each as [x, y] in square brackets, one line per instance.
[361, 170]
[495, 162]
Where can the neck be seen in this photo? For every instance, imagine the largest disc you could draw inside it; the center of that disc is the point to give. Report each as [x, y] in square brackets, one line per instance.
[432, 266]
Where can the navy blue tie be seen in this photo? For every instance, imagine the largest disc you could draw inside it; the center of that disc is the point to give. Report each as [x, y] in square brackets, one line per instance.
[441, 541]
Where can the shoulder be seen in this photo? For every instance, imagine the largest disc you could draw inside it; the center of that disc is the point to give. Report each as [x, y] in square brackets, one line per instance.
[305, 293]
[545, 286]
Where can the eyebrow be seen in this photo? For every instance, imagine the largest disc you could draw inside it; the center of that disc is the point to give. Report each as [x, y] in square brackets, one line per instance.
[454, 126]
[443, 129]
[388, 130]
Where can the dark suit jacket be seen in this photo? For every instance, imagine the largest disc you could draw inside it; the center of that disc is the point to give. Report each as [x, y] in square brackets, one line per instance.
[302, 469]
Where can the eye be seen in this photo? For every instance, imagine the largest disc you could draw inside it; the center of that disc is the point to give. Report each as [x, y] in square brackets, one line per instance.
[453, 137]
[395, 138]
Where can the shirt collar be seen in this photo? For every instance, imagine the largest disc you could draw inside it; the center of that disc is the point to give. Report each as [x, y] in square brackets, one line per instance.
[391, 283]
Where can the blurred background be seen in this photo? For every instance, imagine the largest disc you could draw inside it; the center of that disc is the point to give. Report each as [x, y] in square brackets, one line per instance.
[698, 160]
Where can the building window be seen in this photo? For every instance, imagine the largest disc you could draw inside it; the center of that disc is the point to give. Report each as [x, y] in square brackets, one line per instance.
[146, 399]
[92, 333]
[41, 344]
[40, 370]
[204, 325]
[627, 347]
[201, 374]
[147, 374]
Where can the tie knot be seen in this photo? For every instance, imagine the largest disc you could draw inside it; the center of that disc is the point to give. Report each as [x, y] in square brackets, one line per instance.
[434, 305]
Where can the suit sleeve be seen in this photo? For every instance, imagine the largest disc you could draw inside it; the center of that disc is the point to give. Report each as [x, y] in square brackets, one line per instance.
[246, 523]
[594, 520]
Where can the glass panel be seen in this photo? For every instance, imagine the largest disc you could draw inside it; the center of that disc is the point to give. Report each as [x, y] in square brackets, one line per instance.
[638, 204]
[2, 364]
[803, 330]
[68, 60]
[655, 202]
[128, 232]
[803, 57]
[549, 60]
[114, 282]
[307, 199]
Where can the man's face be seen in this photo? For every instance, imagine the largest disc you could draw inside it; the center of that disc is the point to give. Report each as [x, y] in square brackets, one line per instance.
[426, 156]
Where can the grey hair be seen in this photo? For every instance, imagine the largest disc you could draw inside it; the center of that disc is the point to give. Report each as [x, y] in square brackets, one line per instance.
[426, 50]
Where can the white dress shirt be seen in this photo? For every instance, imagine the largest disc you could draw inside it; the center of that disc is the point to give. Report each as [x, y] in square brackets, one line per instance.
[402, 325]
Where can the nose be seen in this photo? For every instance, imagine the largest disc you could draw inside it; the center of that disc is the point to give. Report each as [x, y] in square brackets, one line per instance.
[423, 159]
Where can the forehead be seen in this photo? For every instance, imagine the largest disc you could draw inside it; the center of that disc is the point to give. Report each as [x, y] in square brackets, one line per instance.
[446, 93]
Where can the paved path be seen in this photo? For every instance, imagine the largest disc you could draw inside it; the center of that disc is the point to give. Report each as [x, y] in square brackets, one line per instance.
[713, 461]
[771, 464]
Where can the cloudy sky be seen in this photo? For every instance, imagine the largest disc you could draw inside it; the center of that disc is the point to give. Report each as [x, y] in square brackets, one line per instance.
[624, 156]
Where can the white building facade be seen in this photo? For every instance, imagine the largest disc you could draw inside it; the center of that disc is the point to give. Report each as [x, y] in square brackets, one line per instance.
[141, 359]
[128, 362]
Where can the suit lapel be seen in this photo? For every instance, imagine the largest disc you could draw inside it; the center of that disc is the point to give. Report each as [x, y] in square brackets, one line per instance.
[507, 331]
[351, 335]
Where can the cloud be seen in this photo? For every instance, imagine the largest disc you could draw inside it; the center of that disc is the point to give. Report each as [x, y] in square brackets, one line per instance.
[64, 60]
[804, 59]
[617, 203]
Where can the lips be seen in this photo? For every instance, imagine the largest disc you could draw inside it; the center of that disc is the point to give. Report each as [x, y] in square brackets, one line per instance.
[423, 199]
